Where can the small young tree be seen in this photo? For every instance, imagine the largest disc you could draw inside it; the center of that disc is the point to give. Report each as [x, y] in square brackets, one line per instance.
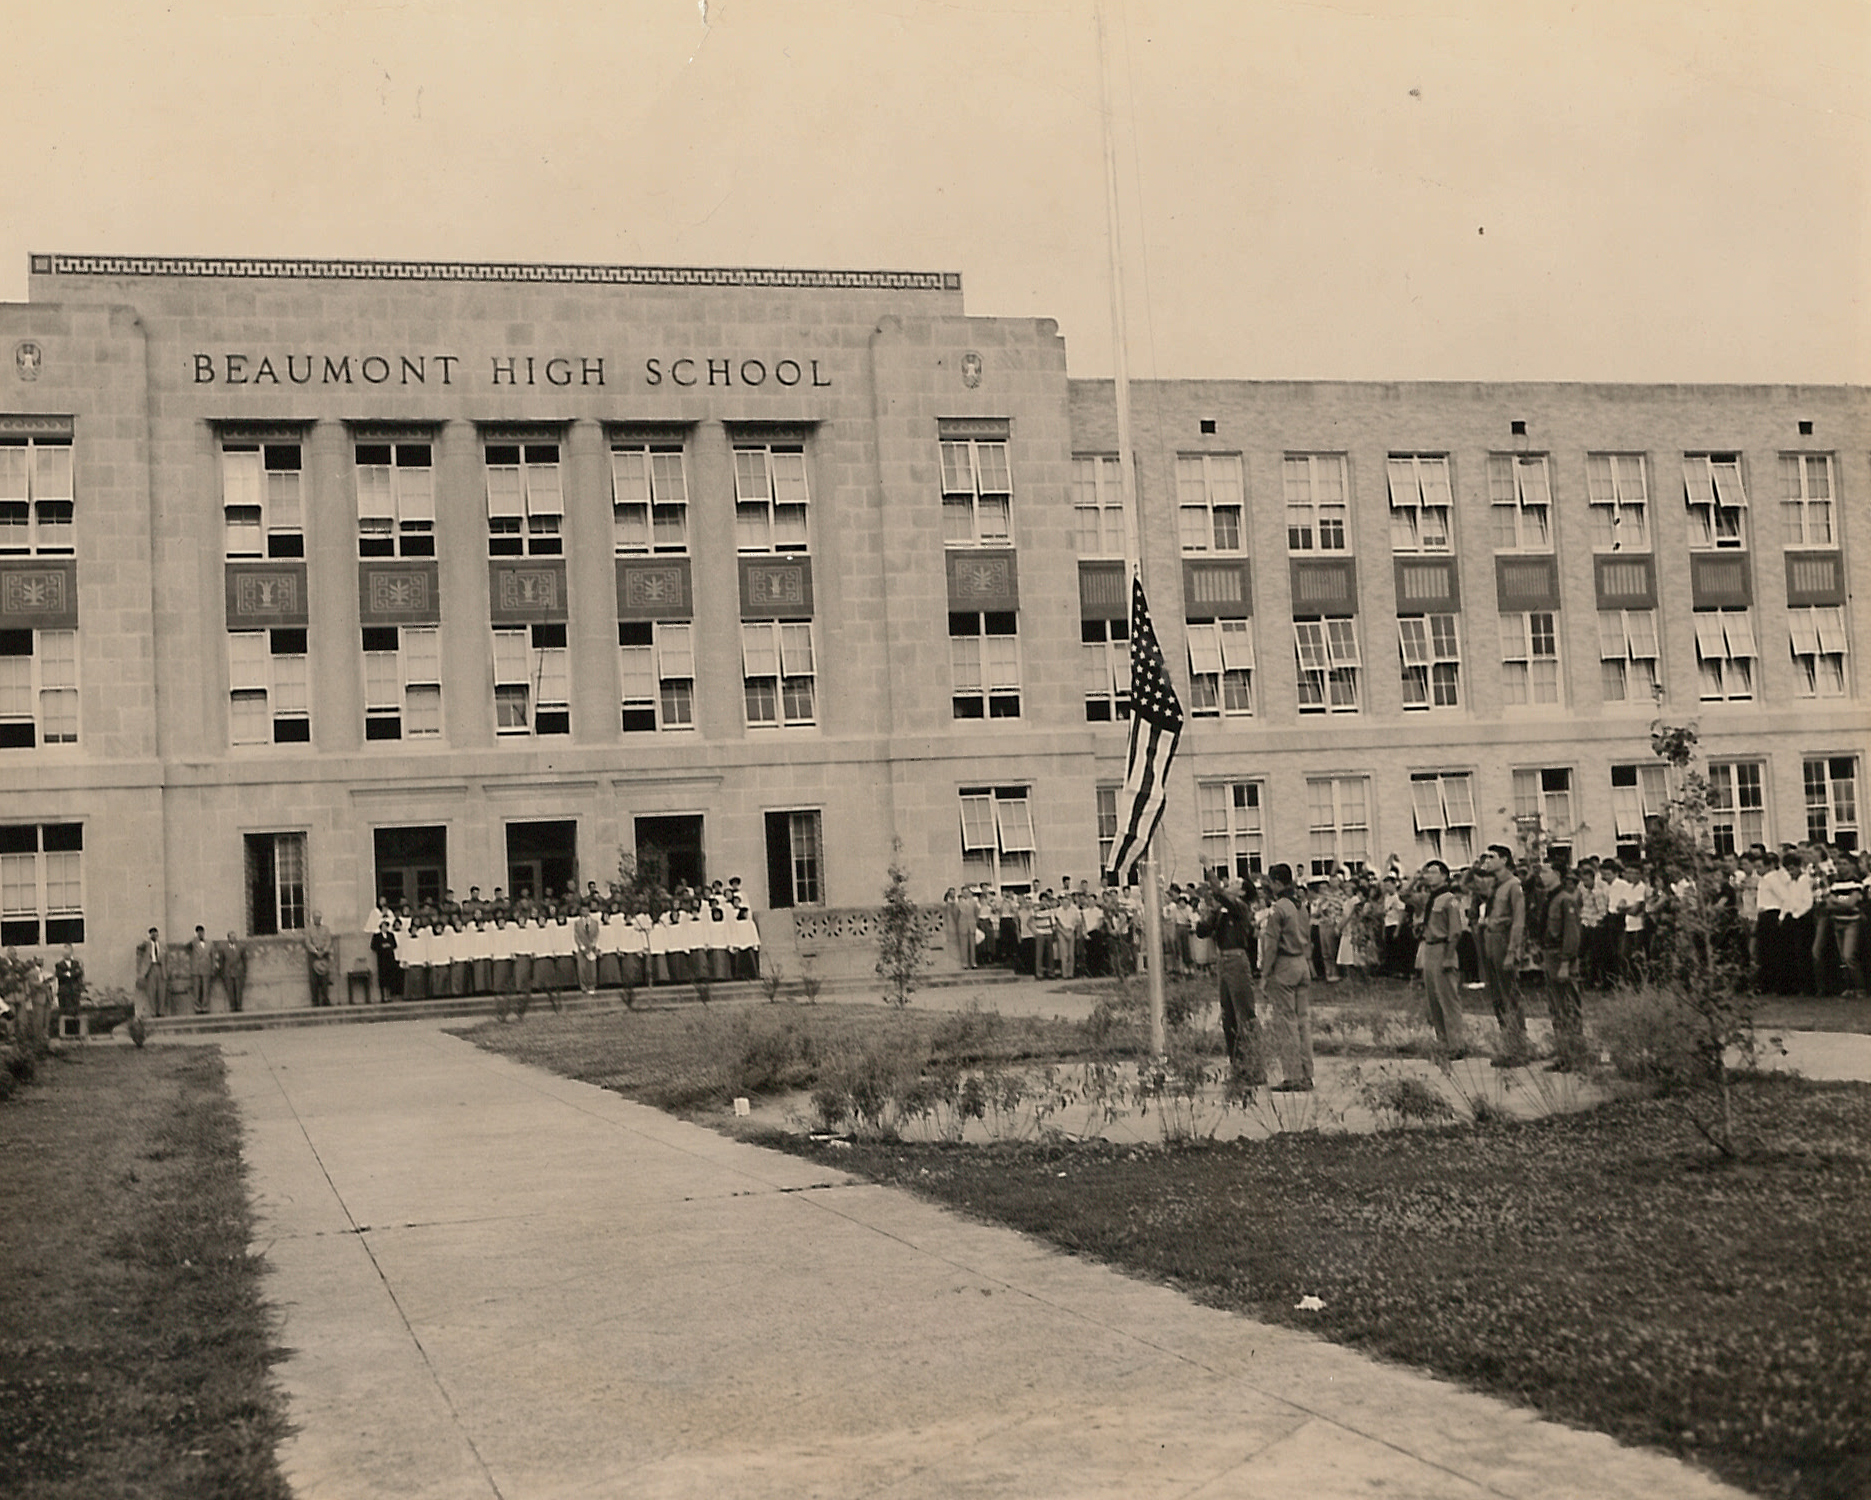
[1698, 954]
[901, 956]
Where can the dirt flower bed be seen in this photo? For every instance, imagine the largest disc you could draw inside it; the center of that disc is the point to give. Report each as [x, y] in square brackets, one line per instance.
[134, 1345]
[1603, 1268]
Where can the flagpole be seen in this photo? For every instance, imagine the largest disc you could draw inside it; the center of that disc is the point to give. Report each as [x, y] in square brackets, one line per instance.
[1134, 531]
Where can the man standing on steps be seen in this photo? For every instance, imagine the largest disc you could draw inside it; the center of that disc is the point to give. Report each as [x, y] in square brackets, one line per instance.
[585, 934]
[200, 969]
[230, 962]
[1503, 946]
[1227, 919]
[318, 951]
[1285, 967]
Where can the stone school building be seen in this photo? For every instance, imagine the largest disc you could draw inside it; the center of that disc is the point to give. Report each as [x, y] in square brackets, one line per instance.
[325, 580]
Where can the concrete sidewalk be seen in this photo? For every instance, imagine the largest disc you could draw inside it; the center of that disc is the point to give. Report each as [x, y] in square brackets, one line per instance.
[497, 1282]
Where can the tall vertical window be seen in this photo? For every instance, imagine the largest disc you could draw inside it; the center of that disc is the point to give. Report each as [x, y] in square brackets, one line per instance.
[779, 678]
[977, 494]
[41, 884]
[1718, 504]
[1221, 668]
[1831, 783]
[1098, 506]
[276, 894]
[1328, 662]
[1443, 806]
[1232, 835]
[38, 688]
[1725, 653]
[1637, 792]
[269, 687]
[1316, 509]
[395, 500]
[649, 498]
[402, 682]
[1431, 653]
[1209, 495]
[35, 495]
[1818, 641]
[807, 849]
[1521, 500]
[525, 500]
[770, 500]
[984, 659]
[657, 662]
[1420, 502]
[1543, 804]
[1529, 659]
[1107, 824]
[1105, 650]
[1737, 804]
[997, 844]
[1627, 652]
[1338, 823]
[262, 501]
[1620, 502]
[532, 680]
[1806, 500]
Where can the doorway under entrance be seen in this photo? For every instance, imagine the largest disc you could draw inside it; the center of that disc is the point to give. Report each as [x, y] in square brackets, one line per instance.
[542, 859]
[669, 850]
[412, 866]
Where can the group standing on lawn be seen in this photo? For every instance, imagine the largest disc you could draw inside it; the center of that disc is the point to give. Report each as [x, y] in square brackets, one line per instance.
[1791, 923]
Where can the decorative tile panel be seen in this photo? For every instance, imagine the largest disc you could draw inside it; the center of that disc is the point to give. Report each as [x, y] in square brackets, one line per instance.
[818, 928]
[1216, 590]
[1526, 583]
[526, 593]
[983, 580]
[1102, 591]
[1325, 586]
[39, 593]
[776, 587]
[654, 589]
[1425, 583]
[1721, 579]
[265, 594]
[1815, 578]
[399, 593]
[1625, 582]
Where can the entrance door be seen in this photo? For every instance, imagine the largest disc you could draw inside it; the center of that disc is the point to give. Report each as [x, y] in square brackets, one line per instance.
[669, 850]
[542, 859]
[412, 865]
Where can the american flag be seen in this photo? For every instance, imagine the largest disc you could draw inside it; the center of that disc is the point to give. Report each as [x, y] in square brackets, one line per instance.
[1155, 731]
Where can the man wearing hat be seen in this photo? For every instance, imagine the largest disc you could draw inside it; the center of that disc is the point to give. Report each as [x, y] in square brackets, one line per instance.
[1285, 967]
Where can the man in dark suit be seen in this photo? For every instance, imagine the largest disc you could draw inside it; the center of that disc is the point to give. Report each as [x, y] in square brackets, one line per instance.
[230, 967]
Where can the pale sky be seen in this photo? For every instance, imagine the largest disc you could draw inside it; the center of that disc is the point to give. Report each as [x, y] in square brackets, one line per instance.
[1645, 190]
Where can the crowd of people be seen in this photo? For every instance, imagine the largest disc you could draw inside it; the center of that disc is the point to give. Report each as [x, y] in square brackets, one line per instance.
[625, 938]
[1787, 922]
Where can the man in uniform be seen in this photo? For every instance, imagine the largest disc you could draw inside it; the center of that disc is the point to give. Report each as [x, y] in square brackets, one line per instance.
[1503, 946]
[1286, 966]
[1442, 925]
[1227, 919]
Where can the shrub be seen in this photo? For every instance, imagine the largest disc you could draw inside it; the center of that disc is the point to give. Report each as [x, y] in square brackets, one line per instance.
[770, 982]
[1650, 1040]
[901, 956]
[862, 1089]
[21, 1065]
[769, 1059]
[1407, 1100]
[965, 1035]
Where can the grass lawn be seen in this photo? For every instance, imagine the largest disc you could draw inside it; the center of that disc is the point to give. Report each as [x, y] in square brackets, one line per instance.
[1602, 1267]
[134, 1343]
